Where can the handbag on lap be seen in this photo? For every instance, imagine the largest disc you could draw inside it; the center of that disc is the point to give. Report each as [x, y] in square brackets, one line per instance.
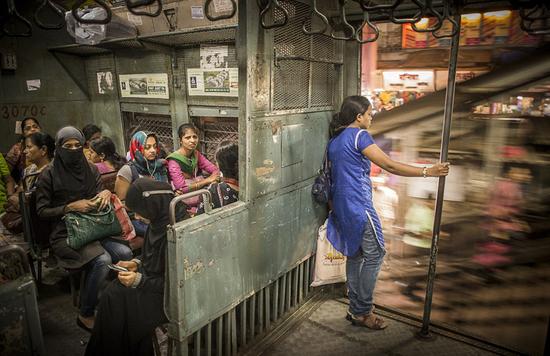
[83, 228]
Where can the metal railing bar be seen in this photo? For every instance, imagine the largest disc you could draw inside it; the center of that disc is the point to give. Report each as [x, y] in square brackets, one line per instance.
[243, 324]
[252, 317]
[267, 306]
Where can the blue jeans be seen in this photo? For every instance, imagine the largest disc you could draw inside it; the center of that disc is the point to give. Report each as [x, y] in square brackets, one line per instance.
[97, 271]
[140, 227]
[362, 272]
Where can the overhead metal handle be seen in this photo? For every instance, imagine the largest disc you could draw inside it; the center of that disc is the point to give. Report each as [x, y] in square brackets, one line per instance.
[206, 199]
[104, 21]
[417, 16]
[132, 5]
[12, 12]
[451, 18]
[265, 10]
[359, 33]
[220, 17]
[315, 12]
[344, 22]
[365, 5]
[429, 9]
[56, 10]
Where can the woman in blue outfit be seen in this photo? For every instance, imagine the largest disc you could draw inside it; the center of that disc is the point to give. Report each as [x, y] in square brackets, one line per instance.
[353, 225]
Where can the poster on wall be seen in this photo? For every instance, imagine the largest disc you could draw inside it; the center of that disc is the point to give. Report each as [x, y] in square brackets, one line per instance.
[414, 80]
[213, 82]
[152, 85]
[213, 57]
[105, 82]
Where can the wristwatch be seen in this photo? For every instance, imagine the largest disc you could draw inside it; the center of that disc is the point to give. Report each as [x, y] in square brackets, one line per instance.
[425, 172]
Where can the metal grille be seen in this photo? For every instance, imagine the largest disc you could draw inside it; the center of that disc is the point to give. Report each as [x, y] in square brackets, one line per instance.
[300, 83]
[214, 131]
[322, 81]
[233, 332]
[161, 125]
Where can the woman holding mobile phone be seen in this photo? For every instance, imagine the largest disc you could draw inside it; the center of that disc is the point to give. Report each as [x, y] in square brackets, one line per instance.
[132, 306]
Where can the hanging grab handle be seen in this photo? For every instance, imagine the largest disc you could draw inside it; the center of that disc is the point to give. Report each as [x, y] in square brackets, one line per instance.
[447, 16]
[265, 10]
[365, 5]
[104, 21]
[315, 12]
[345, 22]
[417, 16]
[56, 10]
[221, 17]
[12, 12]
[132, 5]
[429, 9]
[359, 33]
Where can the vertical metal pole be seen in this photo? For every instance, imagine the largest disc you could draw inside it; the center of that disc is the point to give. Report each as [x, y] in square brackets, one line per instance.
[448, 113]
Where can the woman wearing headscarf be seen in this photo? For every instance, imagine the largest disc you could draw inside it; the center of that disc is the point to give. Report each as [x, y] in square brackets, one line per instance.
[144, 162]
[132, 306]
[16, 155]
[70, 184]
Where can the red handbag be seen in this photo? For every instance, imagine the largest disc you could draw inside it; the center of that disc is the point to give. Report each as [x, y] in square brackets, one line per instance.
[128, 231]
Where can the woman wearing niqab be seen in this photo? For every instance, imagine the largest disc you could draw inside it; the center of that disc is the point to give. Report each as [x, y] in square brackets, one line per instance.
[132, 306]
[68, 184]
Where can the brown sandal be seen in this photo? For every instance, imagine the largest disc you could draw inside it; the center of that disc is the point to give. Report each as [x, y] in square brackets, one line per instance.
[370, 321]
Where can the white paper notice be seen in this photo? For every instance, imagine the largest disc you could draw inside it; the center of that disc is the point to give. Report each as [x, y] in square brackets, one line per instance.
[213, 56]
[213, 82]
[33, 84]
[152, 85]
[197, 13]
[223, 5]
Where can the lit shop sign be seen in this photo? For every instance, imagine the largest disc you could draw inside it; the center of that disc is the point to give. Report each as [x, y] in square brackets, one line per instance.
[416, 80]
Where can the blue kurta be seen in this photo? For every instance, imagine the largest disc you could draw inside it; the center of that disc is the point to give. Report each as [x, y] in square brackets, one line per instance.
[351, 192]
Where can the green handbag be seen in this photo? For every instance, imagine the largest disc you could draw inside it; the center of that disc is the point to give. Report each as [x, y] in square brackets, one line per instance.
[83, 228]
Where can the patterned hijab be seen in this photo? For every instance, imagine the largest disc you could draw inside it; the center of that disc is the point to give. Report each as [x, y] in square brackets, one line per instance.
[155, 168]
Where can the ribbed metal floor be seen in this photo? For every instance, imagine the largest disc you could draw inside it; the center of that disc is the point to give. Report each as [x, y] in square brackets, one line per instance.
[325, 331]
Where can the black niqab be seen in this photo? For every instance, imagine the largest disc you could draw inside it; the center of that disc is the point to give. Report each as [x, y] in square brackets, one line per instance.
[71, 171]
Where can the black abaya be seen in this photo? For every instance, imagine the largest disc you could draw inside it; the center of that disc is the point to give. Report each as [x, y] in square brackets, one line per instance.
[128, 316]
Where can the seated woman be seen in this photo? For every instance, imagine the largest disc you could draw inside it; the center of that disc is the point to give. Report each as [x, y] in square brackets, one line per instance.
[226, 191]
[144, 150]
[70, 184]
[39, 149]
[132, 306]
[186, 164]
[91, 132]
[103, 154]
[15, 156]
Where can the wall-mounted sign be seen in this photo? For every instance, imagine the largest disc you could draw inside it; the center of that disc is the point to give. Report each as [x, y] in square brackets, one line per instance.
[441, 77]
[105, 82]
[152, 85]
[213, 82]
[414, 80]
[213, 56]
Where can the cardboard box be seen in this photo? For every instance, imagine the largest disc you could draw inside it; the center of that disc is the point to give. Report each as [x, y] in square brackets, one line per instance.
[177, 15]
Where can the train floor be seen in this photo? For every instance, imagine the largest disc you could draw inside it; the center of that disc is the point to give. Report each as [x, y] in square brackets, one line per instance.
[325, 331]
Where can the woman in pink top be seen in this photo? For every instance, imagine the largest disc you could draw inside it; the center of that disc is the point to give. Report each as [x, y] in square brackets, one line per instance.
[103, 154]
[186, 164]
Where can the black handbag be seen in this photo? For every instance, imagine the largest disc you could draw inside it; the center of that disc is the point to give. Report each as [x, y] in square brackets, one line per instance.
[321, 186]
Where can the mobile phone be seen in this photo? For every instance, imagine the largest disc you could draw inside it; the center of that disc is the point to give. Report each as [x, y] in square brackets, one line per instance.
[117, 268]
